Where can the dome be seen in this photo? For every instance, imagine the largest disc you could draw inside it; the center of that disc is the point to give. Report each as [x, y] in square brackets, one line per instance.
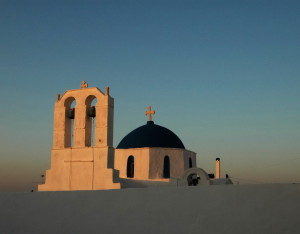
[151, 135]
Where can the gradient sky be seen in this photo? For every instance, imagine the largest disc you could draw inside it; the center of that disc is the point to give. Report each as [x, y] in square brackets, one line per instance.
[222, 75]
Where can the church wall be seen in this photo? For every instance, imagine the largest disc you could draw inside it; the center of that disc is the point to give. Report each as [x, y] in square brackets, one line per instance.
[79, 124]
[178, 161]
[81, 169]
[104, 123]
[187, 156]
[58, 176]
[154, 183]
[81, 176]
[141, 162]
[59, 128]
[104, 175]
[149, 162]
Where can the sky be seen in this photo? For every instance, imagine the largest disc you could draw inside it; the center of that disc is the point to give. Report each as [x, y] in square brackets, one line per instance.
[222, 75]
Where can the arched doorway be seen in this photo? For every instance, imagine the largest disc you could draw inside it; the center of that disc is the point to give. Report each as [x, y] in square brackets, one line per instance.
[193, 179]
[130, 167]
[166, 172]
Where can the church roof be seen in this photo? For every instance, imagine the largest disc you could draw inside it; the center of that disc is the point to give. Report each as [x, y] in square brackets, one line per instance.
[151, 135]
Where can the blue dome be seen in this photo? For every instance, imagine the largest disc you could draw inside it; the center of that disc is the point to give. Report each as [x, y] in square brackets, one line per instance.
[151, 135]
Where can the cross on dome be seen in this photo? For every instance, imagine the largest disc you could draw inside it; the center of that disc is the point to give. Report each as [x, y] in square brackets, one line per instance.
[149, 112]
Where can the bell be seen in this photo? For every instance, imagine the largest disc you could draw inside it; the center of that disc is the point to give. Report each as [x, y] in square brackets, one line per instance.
[91, 111]
[70, 113]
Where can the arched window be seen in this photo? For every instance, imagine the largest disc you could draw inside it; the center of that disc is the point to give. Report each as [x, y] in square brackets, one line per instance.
[70, 104]
[190, 163]
[90, 126]
[166, 173]
[130, 167]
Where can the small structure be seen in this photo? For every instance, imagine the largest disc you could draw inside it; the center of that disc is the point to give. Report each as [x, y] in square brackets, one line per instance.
[218, 168]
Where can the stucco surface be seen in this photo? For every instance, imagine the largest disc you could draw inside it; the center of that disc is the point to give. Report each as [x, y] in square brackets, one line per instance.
[204, 209]
[81, 165]
[141, 162]
[149, 162]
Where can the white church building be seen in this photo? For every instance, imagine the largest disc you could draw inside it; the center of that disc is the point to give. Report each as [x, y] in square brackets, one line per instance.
[83, 156]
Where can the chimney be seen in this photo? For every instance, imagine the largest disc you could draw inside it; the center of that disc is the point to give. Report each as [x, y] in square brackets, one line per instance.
[218, 168]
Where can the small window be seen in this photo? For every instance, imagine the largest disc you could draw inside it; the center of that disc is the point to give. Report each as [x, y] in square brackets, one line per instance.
[190, 163]
[166, 173]
[130, 167]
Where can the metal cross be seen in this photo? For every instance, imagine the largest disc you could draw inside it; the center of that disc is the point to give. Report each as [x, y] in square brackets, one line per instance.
[149, 112]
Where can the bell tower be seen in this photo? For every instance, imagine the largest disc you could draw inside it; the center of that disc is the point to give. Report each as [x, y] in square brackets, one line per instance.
[82, 156]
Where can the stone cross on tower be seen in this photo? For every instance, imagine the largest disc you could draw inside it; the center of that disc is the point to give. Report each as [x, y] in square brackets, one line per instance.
[149, 112]
[84, 85]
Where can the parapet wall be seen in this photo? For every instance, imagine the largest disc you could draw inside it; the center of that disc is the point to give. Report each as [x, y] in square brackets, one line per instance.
[203, 209]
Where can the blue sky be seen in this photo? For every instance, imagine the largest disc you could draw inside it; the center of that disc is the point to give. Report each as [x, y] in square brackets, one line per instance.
[223, 75]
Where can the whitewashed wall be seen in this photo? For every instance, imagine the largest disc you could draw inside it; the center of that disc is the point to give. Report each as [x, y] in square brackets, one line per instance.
[204, 209]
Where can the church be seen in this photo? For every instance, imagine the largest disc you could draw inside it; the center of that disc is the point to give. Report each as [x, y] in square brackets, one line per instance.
[83, 156]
